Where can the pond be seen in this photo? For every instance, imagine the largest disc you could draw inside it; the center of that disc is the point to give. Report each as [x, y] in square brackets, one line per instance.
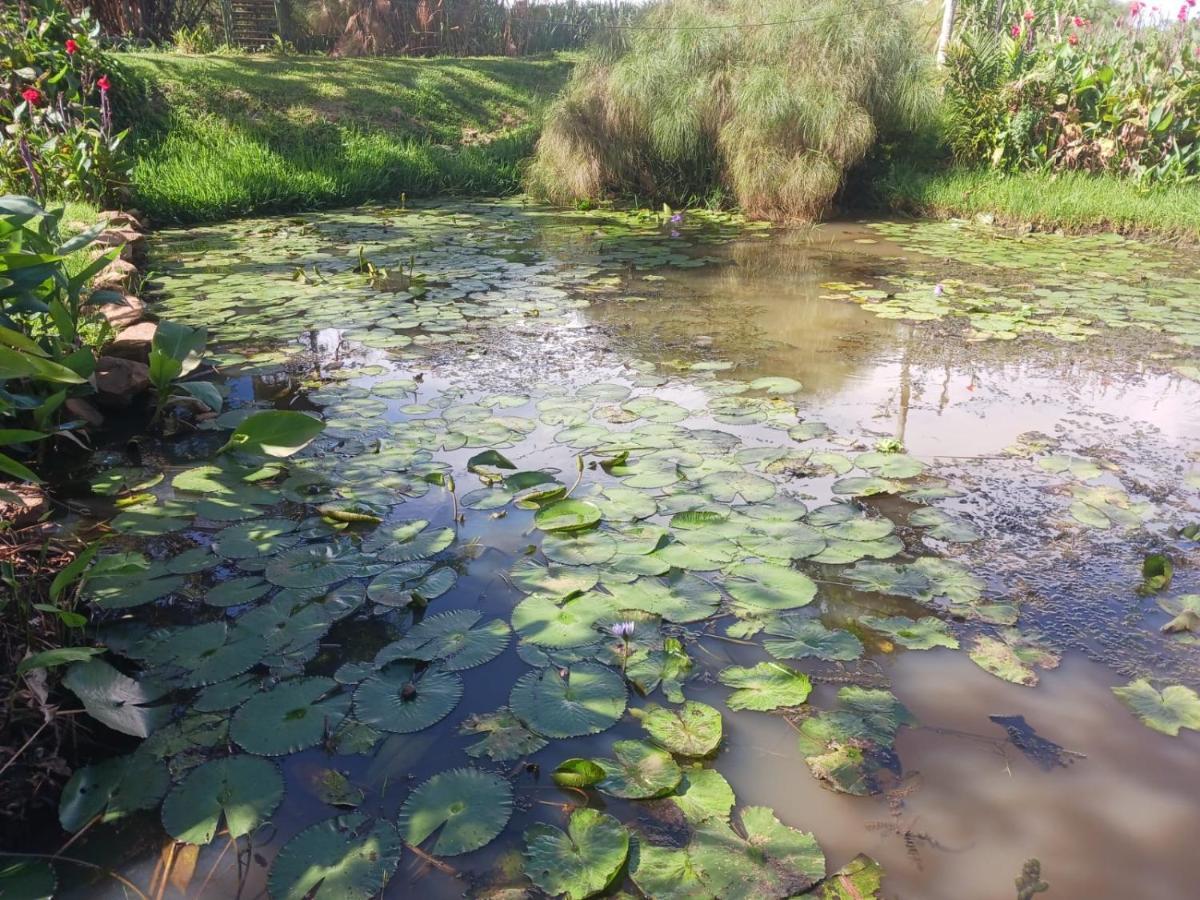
[875, 497]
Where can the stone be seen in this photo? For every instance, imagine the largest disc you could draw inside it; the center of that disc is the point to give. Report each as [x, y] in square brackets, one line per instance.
[120, 274]
[118, 381]
[78, 408]
[121, 315]
[22, 504]
[131, 242]
[133, 342]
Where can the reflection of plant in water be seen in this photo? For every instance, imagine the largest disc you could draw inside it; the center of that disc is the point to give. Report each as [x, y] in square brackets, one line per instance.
[907, 831]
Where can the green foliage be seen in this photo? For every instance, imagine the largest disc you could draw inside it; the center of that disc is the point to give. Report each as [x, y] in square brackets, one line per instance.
[58, 138]
[1059, 91]
[691, 104]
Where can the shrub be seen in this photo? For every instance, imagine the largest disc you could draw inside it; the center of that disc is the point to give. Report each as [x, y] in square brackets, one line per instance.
[1052, 88]
[696, 98]
[58, 139]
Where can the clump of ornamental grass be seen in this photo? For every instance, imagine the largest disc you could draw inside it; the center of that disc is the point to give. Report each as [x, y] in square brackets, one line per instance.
[703, 96]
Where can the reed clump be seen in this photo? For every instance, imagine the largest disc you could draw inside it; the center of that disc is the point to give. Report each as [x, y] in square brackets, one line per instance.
[703, 98]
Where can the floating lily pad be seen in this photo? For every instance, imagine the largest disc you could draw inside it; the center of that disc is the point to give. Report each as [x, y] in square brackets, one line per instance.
[292, 716]
[580, 862]
[241, 791]
[568, 515]
[467, 809]
[763, 586]
[638, 771]
[1176, 707]
[588, 700]
[793, 638]
[111, 789]
[453, 639]
[693, 729]
[505, 737]
[540, 619]
[848, 748]
[765, 687]
[924, 633]
[120, 702]
[348, 857]
[398, 701]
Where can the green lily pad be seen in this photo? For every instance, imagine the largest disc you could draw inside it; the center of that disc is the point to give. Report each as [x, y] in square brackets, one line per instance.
[924, 633]
[1176, 707]
[793, 638]
[112, 789]
[532, 577]
[764, 586]
[394, 700]
[847, 748]
[859, 879]
[577, 773]
[349, 857]
[466, 807]
[452, 638]
[693, 729]
[568, 515]
[588, 700]
[292, 716]
[580, 862]
[765, 687]
[505, 737]
[241, 790]
[540, 619]
[638, 771]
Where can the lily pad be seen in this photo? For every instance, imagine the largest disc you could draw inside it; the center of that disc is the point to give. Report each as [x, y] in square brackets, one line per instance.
[397, 701]
[505, 737]
[242, 791]
[580, 862]
[638, 771]
[763, 586]
[793, 638]
[348, 857]
[467, 809]
[924, 633]
[693, 729]
[1176, 707]
[116, 700]
[588, 700]
[112, 789]
[568, 515]
[765, 687]
[292, 716]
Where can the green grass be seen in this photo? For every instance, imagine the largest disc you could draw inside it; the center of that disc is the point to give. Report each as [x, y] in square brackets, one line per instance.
[1073, 202]
[220, 137]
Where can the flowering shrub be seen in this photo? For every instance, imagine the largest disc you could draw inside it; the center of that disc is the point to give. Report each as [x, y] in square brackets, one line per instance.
[1053, 88]
[57, 138]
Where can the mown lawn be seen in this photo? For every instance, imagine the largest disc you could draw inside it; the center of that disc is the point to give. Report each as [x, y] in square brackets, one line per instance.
[216, 137]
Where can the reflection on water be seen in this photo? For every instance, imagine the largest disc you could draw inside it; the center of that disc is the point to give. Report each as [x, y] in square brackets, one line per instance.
[969, 807]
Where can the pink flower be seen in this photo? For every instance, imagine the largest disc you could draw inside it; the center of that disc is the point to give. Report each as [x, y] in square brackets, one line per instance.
[1183, 13]
[104, 84]
[31, 96]
[1016, 31]
[1073, 40]
[1079, 21]
[1135, 8]
[71, 47]
[1029, 15]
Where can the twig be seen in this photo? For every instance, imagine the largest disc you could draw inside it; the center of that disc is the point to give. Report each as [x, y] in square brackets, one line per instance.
[12, 759]
[80, 833]
[215, 866]
[433, 861]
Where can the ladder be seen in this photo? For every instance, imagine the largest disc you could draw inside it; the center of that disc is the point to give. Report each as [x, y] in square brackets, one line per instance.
[252, 23]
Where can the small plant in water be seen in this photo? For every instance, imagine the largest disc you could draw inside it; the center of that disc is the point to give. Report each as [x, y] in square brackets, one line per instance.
[624, 631]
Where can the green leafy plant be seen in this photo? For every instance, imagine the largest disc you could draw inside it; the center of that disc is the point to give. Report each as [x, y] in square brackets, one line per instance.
[55, 85]
[47, 338]
[175, 353]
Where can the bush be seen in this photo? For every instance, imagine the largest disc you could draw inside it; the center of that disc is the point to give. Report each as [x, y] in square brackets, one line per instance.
[696, 100]
[58, 139]
[1053, 89]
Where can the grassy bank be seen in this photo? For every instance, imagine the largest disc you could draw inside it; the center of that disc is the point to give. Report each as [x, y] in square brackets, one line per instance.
[221, 137]
[1070, 201]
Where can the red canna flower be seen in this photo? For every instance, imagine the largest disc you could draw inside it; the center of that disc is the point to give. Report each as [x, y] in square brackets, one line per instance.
[31, 95]
[103, 83]
[71, 47]
[1073, 40]
[1029, 15]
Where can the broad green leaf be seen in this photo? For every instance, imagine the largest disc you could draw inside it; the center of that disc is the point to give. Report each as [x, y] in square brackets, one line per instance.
[693, 729]
[505, 737]
[765, 687]
[466, 807]
[638, 771]
[241, 791]
[116, 700]
[348, 857]
[1176, 707]
[274, 432]
[587, 700]
[292, 716]
[580, 862]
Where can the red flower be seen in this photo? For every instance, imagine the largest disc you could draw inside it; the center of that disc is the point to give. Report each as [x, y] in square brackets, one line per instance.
[1183, 13]
[1016, 31]
[103, 83]
[1135, 8]
[1073, 40]
[71, 47]
[1078, 20]
[1029, 15]
[31, 95]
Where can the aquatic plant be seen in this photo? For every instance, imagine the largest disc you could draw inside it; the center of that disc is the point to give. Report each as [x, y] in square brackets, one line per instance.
[699, 100]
